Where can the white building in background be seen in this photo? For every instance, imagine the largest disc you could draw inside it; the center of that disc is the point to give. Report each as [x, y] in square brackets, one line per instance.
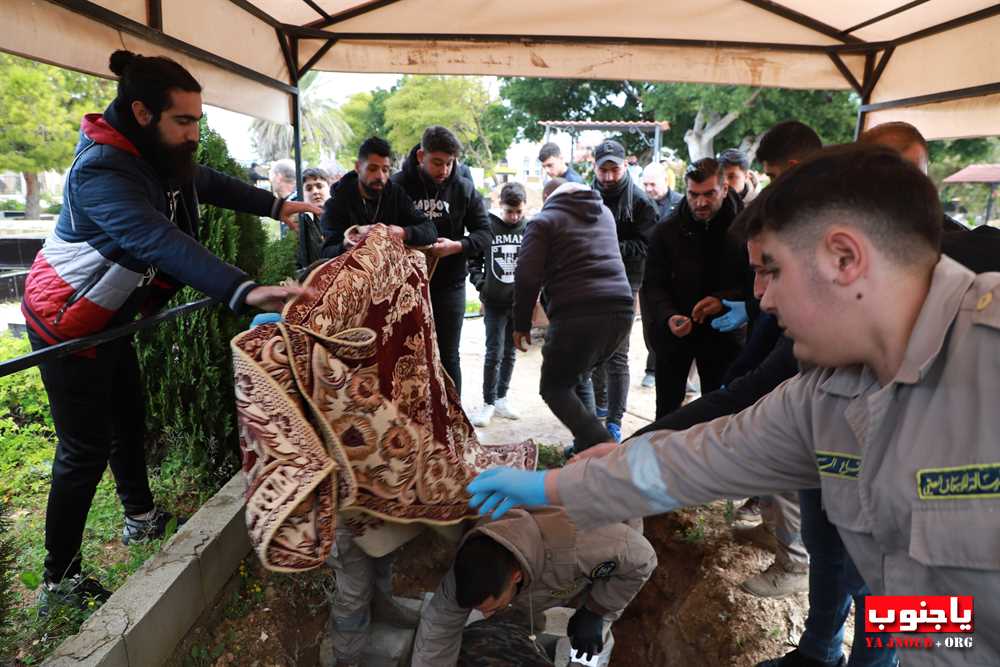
[522, 156]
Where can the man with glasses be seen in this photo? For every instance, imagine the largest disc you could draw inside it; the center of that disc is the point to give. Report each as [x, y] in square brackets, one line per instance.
[692, 265]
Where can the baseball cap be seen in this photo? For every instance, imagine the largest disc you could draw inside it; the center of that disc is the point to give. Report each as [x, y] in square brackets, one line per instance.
[609, 150]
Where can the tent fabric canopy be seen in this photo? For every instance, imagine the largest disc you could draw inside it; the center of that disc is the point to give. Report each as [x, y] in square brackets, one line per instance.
[930, 62]
[976, 173]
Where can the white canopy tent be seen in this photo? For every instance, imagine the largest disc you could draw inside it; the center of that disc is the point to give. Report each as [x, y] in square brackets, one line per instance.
[930, 62]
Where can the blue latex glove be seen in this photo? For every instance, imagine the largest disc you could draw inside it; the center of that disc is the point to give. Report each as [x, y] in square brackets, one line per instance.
[504, 488]
[732, 320]
[265, 318]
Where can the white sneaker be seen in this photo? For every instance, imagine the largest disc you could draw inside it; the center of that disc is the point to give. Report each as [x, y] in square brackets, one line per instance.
[484, 416]
[504, 410]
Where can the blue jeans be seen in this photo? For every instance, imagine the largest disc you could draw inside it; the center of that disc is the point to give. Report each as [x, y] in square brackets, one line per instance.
[833, 582]
[498, 365]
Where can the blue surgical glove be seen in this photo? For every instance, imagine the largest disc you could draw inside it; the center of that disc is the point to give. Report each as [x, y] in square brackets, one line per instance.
[504, 488]
[265, 318]
[732, 320]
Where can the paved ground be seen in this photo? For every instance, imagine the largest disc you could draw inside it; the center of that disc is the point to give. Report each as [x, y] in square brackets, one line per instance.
[537, 421]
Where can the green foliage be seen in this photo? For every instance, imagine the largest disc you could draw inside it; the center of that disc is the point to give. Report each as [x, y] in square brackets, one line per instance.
[550, 456]
[7, 564]
[279, 259]
[364, 113]
[11, 205]
[948, 157]
[186, 363]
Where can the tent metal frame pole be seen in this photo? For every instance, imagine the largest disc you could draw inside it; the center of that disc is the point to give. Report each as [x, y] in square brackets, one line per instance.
[882, 17]
[351, 13]
[319, 10]
[109, 18]
[802, 20]
[256, 12]
[154, 14]
[315, 57]
[932, 98]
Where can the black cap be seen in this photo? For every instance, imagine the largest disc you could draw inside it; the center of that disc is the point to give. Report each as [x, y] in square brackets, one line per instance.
[609, 149]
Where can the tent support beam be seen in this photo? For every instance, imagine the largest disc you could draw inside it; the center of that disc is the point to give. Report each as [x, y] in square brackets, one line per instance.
[944, 96]
[314, 33]
[256, 12]
[802, 20]
[882, 17]
[873, 72]
[846, 73]
[316, 8]
[154, 14]
[958, 22]
[315, 57]
[351, 13]
[123, 23]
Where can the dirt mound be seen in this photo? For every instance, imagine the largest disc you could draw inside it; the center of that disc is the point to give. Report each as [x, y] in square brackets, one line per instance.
[692, 611]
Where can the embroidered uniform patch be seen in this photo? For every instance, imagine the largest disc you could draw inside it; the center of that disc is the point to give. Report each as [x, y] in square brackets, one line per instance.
[838, 464]
[959, 483]
[603, 570]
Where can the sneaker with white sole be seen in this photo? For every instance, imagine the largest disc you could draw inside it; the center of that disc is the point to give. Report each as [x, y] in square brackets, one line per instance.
[777, 582]
[77, 592]
[484, 416]
[648, 381]
[504, 410]
[152, 527]
[759, 535]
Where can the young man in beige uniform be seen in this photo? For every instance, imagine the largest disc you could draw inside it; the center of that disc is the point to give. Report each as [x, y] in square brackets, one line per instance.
[533, 561]
[894, 415]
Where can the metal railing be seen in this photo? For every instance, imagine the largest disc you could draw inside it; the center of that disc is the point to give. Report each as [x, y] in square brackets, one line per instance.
[26, 361]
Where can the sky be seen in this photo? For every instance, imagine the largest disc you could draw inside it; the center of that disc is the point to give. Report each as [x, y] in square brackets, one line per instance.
[235, 127]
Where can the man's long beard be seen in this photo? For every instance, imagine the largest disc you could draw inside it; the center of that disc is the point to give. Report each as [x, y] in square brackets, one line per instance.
[174, 164]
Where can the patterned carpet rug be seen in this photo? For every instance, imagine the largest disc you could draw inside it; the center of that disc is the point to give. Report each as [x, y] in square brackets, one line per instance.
[345, 413]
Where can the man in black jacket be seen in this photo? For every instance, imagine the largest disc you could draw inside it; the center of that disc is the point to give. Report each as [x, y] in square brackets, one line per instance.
[569, 249]
[492, 273]
[635, 217]
[550, 155]
[453, 205]
[316, 183]
[367, 196]
[693, 264]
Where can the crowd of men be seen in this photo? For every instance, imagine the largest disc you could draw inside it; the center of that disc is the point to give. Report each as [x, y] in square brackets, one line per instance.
[823, 301]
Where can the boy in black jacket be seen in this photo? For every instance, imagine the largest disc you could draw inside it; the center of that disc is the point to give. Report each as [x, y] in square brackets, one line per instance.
[492, 273]
[366, 196]
[454, 207]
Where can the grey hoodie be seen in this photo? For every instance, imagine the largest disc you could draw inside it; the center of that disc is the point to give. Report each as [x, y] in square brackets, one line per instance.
[571, 249]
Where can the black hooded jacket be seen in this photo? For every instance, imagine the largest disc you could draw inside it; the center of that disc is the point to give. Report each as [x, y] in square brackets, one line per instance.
[454, 207]
[571, 249]
[635, 219]
[346, 208]
[690, 259]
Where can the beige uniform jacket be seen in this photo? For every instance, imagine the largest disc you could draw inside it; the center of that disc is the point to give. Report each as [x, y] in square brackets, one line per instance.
[910, 472]
[602, 568]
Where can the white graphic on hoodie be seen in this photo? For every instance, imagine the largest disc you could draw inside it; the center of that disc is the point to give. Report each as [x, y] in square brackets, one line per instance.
[504, 253]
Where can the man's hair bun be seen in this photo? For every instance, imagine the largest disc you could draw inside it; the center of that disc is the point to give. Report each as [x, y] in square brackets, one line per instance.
[120, 60]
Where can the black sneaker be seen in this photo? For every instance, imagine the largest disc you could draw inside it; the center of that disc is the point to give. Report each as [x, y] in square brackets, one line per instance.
[78, 592]
[796, 659]
[142, 530]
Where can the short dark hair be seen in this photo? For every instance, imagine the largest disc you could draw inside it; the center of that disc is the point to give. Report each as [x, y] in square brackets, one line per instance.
[789, 140]
[513, 194]
[888, 198]
[438, 139]
[734, 157]
[551, 185]
[704, 169]
[483, 568]
[148, 79]
[317, 173]
[374, 145]
[897, 134]
[548, 150]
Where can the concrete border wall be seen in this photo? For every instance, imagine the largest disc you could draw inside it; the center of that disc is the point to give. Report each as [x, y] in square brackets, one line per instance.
[145, 619]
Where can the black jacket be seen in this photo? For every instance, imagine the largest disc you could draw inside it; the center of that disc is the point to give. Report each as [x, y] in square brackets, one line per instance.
[346, 208]
[454, 208]
[667, 205]
[310, 248]
[978, 250]
[572, 176]
[690, 259]
[492, 272]
[571, 249]
[635, 220]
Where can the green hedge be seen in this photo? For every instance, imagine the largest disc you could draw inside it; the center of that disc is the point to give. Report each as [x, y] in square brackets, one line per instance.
[186, 364]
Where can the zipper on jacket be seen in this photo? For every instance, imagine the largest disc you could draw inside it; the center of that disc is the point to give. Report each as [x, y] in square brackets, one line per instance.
[81, 292]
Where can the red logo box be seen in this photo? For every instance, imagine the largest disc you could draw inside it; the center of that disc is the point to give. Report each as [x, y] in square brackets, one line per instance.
[918, 613]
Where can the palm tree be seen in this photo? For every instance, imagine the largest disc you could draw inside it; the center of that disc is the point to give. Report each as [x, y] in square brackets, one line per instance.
[324, 130]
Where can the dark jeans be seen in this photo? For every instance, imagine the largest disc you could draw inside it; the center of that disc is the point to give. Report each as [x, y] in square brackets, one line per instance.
[573, 346]
[611, 379]
[448, 305]
[498, 364]
[99, 413]
[647, 338]
[833, 582]
[711, 350]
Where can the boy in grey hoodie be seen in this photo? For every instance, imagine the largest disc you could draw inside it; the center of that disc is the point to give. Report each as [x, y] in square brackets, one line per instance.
[571, 249]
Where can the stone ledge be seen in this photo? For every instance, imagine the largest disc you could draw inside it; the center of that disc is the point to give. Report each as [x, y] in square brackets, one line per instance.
[145, 619]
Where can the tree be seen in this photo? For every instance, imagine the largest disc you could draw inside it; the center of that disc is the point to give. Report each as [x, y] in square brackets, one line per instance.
[364, 113]
[40, 117]
[324, 131]
[461, 104]
[701, 116]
